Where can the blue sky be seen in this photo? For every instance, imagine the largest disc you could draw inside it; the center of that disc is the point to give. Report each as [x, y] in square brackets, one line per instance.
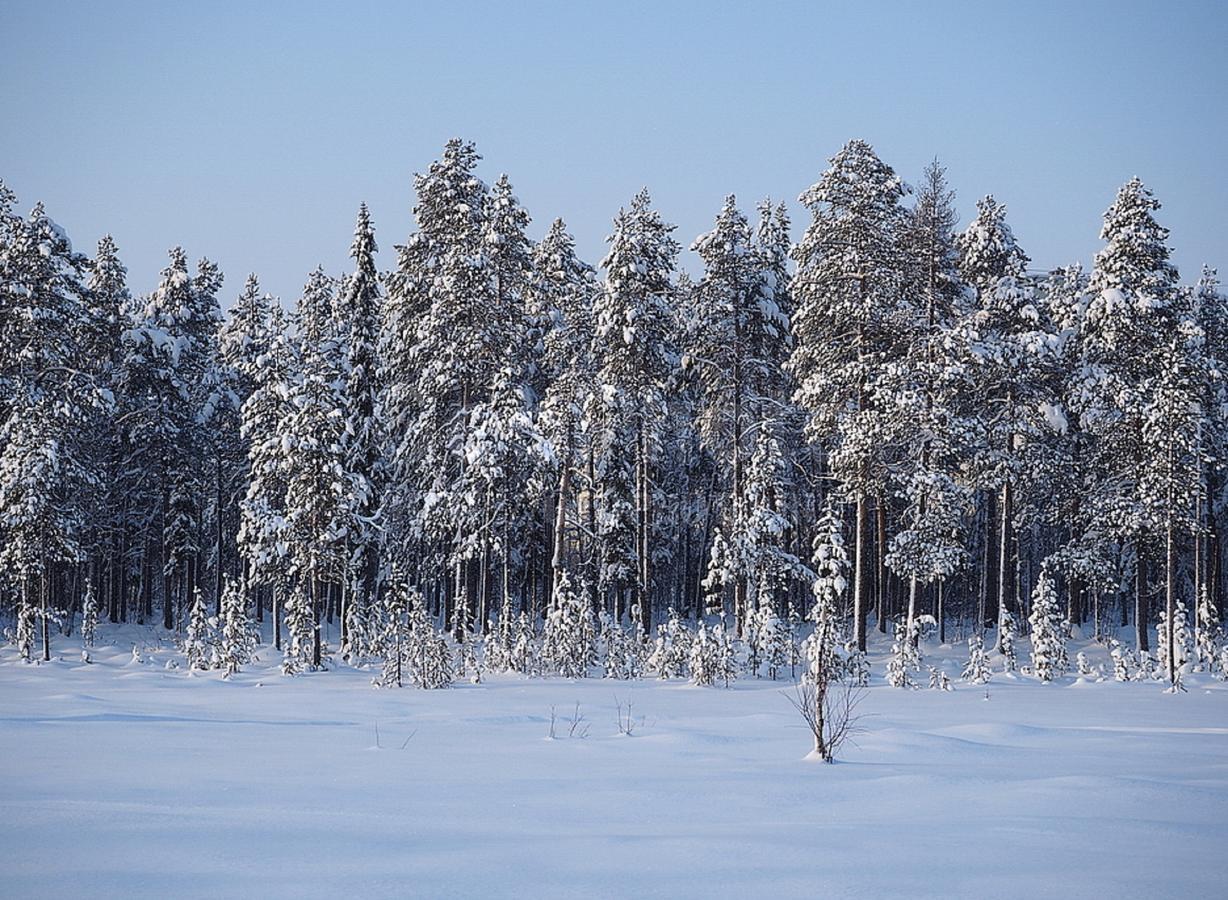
[250, 132]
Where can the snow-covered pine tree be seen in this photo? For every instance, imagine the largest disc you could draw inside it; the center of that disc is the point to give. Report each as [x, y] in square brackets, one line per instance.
[318, 489]
[851, 275]
[1130, 315]
[559, 310]
[635, 357]
[923, 417]
[46, 473]
[265, 417]
[738, 349]
[995, 343]
[110, 524]
[1170, 485]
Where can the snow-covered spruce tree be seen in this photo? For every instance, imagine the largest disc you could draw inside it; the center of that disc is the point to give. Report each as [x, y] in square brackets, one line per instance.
[357, 313]
[977, 669]
[634, 354]
[200, 642]
[569, 636]
[524, 652]
[1050, 631]
[672, 648]
[851, 274]
[239, 637]
[504, 455]
[89, 620]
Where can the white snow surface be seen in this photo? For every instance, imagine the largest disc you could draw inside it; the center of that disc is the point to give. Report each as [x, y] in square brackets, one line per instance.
[124, 778]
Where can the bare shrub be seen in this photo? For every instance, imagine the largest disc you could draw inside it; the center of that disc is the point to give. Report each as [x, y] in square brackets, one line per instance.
[829, 709]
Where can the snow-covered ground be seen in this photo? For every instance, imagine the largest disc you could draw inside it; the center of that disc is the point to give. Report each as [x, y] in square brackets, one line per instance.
[123, 778]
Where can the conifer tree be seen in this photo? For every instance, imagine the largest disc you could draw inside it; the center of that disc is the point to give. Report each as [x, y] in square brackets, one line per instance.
[635, 356]
[851, 275]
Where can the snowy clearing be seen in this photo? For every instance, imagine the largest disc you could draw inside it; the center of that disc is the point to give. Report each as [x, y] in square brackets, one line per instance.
[125, 778]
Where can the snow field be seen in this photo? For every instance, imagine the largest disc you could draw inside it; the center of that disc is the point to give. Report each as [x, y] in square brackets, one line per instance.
[125, 778]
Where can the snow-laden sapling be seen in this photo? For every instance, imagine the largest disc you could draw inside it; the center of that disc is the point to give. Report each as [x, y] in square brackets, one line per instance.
[1006, 642]
[1210, 634]
[200, 644]
[939, 680]
[569, 639]
[1182, 645]
[703, 660]
[1125, 663]
[906, 651]
[300, 630]
[772, 639]
[1049, 632]
[89, 621]
[622, 655]
[239, 636]
[977, 669]
[829, 691]
[672, 648]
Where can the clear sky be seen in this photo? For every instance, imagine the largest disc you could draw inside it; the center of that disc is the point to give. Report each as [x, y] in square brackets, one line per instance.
[250, 132]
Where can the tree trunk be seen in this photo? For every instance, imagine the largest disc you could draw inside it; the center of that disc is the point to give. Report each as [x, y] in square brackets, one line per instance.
[1005, 577]
[880, 566]
[1170, 596]
[315, 615]
[859, 573]
[1140, 599]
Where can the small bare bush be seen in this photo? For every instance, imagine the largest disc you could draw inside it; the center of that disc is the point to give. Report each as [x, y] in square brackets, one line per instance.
[829, 709]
